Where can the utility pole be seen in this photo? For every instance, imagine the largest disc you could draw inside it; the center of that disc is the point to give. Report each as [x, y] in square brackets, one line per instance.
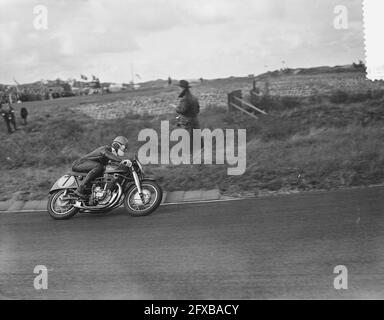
[133, 79]
[17, 88]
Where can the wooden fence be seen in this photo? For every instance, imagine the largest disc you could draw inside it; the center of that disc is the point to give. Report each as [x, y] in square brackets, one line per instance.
[236, 102]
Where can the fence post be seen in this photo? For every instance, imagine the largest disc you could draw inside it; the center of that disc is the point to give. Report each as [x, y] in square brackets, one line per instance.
[266, 88]
[230, 108]
[255, 94]
[231, 96]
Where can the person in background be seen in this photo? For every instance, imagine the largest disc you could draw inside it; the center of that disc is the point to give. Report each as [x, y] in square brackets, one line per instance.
[5, 116]
[12, 116]
[187, 110]
[8, 114]
[24, 115]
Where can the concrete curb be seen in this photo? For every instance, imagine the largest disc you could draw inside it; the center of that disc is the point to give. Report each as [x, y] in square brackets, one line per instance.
[16, 205]
[35, 205]
[168, 198]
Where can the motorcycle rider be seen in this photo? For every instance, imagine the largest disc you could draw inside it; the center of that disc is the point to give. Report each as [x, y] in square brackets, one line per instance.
[93, 163]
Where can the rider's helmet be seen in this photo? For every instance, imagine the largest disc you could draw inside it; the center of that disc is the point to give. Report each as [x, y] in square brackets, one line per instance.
[120, 143]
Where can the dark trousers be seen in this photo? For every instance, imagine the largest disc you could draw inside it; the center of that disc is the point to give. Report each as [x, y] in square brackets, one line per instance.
[93, 168]
[7, 122]
[189, 124]
[13, 122]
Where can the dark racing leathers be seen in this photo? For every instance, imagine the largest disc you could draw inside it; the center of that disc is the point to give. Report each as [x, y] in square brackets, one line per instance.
[93, 163]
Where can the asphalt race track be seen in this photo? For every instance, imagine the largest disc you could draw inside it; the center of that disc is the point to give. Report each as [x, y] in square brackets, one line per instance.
[267, 248]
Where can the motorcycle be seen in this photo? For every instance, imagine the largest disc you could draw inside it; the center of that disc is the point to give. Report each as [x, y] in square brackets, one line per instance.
[121, 183]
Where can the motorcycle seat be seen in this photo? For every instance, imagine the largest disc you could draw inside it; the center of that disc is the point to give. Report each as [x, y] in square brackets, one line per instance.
[77, 174]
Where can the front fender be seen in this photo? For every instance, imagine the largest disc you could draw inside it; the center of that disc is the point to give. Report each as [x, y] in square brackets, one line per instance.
[65, 182]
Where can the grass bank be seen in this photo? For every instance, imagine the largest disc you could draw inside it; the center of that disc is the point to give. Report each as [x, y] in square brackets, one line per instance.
[302, 145]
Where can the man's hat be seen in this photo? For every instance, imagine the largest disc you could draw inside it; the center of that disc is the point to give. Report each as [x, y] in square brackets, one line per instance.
[184, 84]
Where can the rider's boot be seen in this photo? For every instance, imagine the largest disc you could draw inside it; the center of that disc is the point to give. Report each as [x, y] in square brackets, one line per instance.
[81, 190]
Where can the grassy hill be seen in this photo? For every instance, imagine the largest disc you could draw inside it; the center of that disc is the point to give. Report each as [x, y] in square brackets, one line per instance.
[305, 142]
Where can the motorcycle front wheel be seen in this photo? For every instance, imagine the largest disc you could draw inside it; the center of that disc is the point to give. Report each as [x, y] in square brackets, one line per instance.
[152, 196]
[59, 208]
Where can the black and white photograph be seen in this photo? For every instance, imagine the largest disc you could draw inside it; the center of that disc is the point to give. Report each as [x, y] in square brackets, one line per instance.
[206, 150]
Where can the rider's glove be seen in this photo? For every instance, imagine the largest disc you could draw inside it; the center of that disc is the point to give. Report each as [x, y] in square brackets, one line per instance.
[127, 163]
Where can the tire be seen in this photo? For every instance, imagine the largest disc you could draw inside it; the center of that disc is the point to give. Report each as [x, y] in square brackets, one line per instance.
[133, 196]
[55, 214]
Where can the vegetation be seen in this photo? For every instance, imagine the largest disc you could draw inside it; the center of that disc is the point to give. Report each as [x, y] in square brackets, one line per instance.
[311, 143]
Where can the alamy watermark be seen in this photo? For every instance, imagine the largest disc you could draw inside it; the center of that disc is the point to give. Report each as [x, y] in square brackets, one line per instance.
[40, 21]
[340, 282]
[40, 282]
[230, 147]
[340, 21]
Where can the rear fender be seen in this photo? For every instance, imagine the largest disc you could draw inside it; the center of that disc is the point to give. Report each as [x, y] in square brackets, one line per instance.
[65, 182]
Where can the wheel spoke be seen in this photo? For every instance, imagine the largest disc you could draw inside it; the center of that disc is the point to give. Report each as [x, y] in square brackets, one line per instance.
[59, 206]
[149, 192]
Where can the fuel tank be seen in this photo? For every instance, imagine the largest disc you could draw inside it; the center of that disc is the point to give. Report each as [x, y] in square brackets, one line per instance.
[116, 168]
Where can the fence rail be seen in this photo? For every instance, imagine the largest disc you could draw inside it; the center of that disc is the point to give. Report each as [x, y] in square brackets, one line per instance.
[236, 102]
[242, 110]
[250, 105]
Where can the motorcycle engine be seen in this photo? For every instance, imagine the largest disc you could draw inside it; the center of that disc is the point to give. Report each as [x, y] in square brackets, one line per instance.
[101, 196]
[103, 191]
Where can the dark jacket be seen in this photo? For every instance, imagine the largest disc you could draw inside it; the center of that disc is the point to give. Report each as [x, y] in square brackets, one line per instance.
[101, 155]
[189, 106]
[7, 110]
[23, 112]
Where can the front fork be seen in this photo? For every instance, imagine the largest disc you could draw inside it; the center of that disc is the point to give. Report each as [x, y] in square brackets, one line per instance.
[138, 185]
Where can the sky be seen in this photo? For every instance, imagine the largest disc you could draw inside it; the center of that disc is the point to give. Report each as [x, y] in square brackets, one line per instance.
[177, 38]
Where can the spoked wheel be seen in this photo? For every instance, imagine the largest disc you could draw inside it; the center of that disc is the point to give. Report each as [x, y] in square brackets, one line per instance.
[142, 206]
[59, 208]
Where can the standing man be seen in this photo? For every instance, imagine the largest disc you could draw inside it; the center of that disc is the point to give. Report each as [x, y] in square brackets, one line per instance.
[4, 114]
[11, 113]
[8, 114]
[188, 109]
[24, 115]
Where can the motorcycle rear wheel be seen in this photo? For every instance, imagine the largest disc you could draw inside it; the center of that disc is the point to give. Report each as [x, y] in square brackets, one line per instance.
[55, 203]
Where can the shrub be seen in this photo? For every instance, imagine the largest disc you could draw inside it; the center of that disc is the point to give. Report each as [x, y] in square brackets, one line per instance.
[277, 129]
[278, 103]
[339, 96]
[25, 97]
[290, 102]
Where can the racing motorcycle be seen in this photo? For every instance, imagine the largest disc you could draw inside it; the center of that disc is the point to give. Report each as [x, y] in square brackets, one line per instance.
[121, 183]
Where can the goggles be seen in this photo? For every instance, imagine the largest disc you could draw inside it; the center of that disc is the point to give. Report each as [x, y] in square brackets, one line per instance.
[122, 147]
